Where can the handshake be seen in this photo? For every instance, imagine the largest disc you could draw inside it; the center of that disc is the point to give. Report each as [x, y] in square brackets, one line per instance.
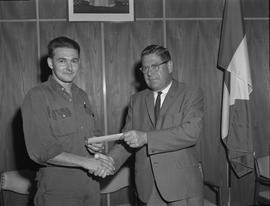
[103, 165]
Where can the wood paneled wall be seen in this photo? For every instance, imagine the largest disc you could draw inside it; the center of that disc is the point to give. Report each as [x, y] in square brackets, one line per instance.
[109, 74]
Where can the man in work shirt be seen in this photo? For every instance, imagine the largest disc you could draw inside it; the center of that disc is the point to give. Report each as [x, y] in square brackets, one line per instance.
[57, 117]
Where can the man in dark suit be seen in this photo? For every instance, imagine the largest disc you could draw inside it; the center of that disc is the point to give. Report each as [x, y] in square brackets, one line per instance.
[162, 127]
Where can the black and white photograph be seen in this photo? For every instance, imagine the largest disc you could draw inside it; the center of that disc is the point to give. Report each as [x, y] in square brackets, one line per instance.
[134, 103]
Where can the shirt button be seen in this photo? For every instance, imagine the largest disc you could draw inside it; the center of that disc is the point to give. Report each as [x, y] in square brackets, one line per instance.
[63, 115]
[62, 89]
[70, 100]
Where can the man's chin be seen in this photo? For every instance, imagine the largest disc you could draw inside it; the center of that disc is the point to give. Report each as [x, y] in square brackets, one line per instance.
[154, 86]
[68, 79]
[64, 79]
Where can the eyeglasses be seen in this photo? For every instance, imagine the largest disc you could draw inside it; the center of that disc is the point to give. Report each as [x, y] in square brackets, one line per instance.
[153, 67]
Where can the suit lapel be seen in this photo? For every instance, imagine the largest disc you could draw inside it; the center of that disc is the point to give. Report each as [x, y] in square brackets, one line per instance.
[170, 98]
[149, 100]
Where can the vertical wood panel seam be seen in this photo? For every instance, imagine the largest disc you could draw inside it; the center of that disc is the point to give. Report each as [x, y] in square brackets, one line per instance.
[104, 78]
[104, 89]
[38, 34]
[164, 23]
[268, 77]
[38, 28]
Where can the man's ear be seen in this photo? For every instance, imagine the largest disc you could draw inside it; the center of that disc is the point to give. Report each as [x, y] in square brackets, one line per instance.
[49, 62]
[170, 66]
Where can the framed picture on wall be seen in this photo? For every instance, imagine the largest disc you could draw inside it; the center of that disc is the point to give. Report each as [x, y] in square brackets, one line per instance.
[101, 10]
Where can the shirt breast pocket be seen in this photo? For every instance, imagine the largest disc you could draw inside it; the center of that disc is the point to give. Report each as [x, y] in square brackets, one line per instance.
[62, 123]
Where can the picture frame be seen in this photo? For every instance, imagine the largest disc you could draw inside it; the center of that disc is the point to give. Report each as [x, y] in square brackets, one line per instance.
[101, 10]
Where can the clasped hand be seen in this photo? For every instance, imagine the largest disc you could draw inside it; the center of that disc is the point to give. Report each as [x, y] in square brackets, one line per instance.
[101, 165]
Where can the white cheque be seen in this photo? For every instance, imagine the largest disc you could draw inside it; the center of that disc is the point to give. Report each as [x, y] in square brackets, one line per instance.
[105, 138]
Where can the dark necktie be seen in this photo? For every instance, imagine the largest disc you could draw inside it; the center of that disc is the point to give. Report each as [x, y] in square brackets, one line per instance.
[157, 106]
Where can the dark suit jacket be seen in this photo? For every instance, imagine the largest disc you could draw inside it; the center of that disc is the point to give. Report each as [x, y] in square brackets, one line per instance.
[168, 158]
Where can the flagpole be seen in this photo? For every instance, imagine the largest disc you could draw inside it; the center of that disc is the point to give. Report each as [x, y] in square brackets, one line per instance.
[228, 183]
[237, 86]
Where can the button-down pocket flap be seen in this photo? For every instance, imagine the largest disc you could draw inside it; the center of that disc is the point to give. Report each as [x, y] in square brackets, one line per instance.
[62, 122]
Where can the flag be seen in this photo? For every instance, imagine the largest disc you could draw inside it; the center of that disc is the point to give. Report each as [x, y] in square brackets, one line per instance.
[233, 59]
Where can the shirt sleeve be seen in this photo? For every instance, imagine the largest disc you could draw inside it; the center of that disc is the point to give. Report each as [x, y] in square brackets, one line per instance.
[40, 143]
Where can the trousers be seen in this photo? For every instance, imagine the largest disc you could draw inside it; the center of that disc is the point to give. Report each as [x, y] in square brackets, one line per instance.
[66, 186]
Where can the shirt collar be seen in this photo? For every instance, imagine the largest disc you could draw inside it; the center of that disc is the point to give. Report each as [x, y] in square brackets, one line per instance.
[58, 87]
[165, 90]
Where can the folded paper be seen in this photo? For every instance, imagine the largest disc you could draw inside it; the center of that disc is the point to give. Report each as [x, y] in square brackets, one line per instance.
[105, 138]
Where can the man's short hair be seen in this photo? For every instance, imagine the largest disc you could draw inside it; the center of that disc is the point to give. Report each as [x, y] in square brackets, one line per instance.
[158, 50]
[62, 41]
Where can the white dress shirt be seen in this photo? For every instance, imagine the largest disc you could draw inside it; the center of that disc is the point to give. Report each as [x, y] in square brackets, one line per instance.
[163, 95]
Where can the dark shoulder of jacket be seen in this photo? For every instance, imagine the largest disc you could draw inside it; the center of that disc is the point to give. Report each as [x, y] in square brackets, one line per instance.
[141, 93]
[188, 87]
[190, 90]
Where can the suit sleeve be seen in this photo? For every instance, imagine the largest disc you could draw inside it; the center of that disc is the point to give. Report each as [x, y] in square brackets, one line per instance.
[183, 135]
[120, 151]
